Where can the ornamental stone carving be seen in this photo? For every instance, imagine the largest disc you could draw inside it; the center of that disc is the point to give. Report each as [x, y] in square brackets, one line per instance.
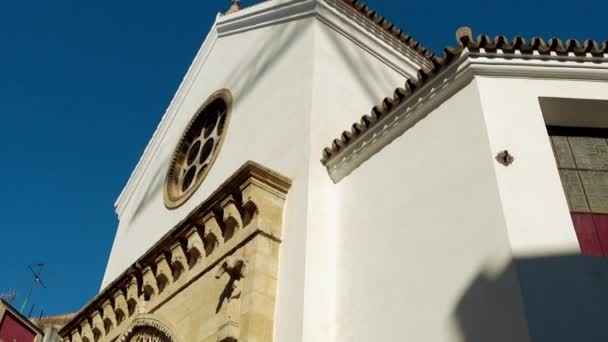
[147, 330]
[211, 278]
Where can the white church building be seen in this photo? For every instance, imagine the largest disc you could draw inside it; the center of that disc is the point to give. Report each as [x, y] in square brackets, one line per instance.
[470, 204]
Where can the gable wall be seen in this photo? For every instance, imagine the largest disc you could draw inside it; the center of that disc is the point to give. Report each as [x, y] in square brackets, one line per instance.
[269, 73]
[279, 75]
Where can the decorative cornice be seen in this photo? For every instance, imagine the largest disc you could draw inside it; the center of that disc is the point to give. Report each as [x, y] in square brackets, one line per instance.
[265, 14]
[274, 12]
[331, 11]
[386, 128]
[382, 23]
[248, 203]
[513, 58]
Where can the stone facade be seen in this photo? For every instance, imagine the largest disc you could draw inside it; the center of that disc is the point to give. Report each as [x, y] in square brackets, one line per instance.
[211, 278]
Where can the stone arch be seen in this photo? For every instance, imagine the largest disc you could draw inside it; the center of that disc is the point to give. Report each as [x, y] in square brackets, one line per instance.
[147, 330]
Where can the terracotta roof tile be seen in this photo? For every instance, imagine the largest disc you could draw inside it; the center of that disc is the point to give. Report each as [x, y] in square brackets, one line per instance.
[57, 320]
[389, 27]
[465, 39]
[537, 44]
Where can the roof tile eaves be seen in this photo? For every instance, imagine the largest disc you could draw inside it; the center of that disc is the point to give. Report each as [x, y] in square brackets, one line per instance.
[465, 39]
[390, 28]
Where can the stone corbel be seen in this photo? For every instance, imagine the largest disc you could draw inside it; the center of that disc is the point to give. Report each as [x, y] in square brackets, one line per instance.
[76, 336]
[247, 208]
[149, 286]
[97, 325]
[132, 295]
[213, 233]
[164, 275]
[85, 332]
[265, 205]
[121, 309]
[233, 220]
[179, 262]
[109, 316]
[195, 248]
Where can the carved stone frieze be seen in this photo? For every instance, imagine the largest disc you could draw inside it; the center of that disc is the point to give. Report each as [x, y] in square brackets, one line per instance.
[147, 330]
[203, 276]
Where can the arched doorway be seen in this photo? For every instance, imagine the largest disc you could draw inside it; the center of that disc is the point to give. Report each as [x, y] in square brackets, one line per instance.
[147, 330]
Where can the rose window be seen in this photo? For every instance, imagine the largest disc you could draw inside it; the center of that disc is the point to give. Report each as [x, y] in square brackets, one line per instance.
[197, 149]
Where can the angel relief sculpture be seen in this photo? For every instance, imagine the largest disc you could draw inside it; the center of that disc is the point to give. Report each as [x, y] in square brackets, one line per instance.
[236, 270]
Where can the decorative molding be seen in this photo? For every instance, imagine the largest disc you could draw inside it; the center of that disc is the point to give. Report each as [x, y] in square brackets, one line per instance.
[372, 30]
[147, 329]
[253, 198]
[568, 67]
[451, 80]
[264, 14]
[337, 15]
[552, 52]
[389, 127]
[385, 48]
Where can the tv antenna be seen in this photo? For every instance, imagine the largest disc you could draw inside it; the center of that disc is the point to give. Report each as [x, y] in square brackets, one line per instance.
[10, 296]
[37, 281]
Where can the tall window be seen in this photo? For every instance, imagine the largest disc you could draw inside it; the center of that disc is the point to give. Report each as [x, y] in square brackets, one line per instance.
[582, 159]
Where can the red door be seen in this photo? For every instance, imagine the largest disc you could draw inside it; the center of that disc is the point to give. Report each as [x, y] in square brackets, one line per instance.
[592, 233]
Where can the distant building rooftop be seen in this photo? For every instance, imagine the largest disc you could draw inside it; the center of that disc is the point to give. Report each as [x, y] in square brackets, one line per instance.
[16, 327]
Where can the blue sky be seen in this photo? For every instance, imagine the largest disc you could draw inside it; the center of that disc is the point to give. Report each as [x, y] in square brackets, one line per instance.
[83, 85]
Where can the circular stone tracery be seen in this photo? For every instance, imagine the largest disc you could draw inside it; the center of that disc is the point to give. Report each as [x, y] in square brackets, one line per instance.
[197, 149]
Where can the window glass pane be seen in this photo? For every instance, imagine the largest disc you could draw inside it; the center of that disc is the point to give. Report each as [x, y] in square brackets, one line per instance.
[562, 152]
[574, 191]
[596, 187]
[589, 153]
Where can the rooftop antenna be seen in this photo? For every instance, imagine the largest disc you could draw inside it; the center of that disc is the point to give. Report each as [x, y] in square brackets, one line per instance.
[10, 296]
[31, 310]
[37, 280]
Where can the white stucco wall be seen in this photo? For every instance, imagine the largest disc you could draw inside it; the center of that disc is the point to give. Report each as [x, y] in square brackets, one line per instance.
[348, 81]
[295, 82]
[269, 72]
[564, 292]
[423, 251]
[269, 125]
[531, 188]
